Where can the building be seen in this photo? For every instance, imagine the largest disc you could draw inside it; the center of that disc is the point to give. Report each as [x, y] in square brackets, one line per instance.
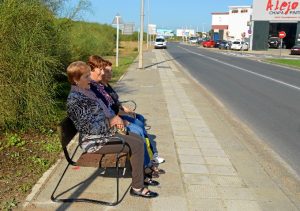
[239, 22]
[220, 22]
[232, 25]
[272, 16]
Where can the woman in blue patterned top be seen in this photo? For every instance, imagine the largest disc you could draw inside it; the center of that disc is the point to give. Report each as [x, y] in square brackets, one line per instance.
[84, 109]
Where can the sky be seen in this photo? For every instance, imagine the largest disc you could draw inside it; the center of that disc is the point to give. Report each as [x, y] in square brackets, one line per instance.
[166, 14]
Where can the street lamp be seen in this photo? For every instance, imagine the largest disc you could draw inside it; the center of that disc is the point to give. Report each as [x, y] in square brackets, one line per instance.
[148, 17]
[140, 66]
[117, 20]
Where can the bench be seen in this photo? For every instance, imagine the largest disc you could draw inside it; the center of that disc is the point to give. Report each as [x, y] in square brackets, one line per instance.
[117, 160]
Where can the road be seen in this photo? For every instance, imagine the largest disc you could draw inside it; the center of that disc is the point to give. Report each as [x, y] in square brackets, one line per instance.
[263, 96]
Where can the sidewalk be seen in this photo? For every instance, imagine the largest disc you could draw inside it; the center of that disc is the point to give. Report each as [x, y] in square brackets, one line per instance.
[208, 165]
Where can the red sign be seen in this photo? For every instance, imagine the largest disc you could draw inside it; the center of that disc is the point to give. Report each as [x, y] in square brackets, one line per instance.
[281, 34]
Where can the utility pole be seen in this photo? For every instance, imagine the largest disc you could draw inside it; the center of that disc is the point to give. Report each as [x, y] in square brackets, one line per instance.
[117, 21]
[117, 42]
[140, 66]
[148, 14]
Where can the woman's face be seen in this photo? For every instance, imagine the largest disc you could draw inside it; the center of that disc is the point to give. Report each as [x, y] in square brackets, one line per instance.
[108, 73]
[84, 80]
[97, 74]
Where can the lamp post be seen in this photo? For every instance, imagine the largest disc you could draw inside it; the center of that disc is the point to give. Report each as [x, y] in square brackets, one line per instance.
[148, 24]
[117, 20]
[140, 66]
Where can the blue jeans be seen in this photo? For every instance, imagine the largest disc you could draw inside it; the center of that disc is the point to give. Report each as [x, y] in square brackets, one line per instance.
[140, 121]
[139, 131]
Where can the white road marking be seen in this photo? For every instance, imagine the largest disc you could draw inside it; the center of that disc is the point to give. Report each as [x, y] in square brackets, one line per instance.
[243, 69]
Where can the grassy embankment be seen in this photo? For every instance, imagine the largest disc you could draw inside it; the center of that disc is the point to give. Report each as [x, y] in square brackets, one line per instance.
[286, 62]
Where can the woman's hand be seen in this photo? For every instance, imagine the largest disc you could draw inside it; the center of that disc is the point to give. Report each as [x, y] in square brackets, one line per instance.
[116, 120]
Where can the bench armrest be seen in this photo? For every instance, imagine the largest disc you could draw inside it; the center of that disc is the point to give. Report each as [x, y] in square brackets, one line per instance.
[129, 101]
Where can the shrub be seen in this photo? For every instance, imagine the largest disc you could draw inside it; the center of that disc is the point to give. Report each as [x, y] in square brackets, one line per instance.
[91, 38]
[28, 60]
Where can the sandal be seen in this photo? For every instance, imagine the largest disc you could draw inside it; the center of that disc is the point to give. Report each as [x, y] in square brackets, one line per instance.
[150, 182]
[154, 169]
[139, 193]
[152, 175]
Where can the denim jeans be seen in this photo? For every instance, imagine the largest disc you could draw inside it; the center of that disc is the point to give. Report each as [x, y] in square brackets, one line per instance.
[139, 131]
[140, 121]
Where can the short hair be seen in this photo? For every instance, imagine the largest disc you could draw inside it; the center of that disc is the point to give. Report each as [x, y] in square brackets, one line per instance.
[107, 63]
[75, 70]
[95, 61]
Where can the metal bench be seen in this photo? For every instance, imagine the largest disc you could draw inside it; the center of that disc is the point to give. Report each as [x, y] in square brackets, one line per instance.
[117, 160]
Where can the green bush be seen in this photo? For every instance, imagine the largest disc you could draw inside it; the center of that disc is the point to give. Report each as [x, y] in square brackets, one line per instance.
[133, 37]
[28, 61]
[91, 38]
[36, 47]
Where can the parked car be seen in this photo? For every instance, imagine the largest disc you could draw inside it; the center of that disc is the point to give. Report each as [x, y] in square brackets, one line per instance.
[239, 45]
[160, 42]
[225, 45]
[208, 44]
[295, 50]
[217, 43]
[274, 42]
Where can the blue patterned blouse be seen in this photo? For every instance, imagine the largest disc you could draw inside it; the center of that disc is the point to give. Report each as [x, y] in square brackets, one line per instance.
[89, 119]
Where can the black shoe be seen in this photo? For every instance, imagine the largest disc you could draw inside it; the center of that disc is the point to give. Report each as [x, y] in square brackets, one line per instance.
[150, 182]
[148, 194]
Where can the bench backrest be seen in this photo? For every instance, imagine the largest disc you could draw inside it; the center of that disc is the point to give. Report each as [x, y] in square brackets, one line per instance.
[67, 131]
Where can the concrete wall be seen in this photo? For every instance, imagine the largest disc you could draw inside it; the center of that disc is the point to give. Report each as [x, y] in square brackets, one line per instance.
[260, 35]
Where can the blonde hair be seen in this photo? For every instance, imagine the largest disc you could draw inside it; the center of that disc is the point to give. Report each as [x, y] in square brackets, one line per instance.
[75, 70]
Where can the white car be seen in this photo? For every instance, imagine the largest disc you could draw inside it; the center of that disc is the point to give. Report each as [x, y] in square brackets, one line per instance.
[193, 40]
[160, 43]
[239, 45]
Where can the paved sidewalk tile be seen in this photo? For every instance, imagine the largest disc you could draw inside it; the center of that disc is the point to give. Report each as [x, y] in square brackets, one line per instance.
[191, 159]
[194, 168]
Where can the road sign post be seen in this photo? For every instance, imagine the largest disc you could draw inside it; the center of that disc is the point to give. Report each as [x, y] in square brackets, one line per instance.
[243, 40]
[281, 35]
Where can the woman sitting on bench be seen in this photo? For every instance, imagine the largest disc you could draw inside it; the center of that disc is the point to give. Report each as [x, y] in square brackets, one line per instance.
[84, 109]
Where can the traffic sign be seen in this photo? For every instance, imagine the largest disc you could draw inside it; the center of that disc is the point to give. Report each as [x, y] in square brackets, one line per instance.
[243, 34]
[281, 34]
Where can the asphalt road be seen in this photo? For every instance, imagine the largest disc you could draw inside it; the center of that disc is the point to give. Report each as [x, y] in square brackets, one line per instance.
[263, 96]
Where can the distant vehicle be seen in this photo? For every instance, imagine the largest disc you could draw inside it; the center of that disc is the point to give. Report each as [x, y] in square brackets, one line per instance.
[225, 45]
[193, 40]
[274, 42]
[295, 50]
[217, 43]
[208, 44]
[160, 43]
[239, 45]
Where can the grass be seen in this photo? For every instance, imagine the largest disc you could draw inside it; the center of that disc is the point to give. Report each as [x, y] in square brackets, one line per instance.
[25, 156]
[286, 62]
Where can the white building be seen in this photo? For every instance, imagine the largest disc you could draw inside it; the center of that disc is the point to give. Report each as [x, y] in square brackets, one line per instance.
[234, 24]
[220, 22]
[239, 21]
